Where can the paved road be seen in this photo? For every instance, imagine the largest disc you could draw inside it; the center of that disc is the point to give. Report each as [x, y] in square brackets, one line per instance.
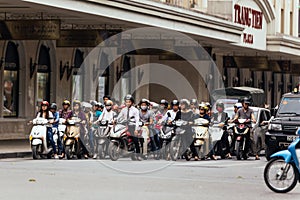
[124, 179]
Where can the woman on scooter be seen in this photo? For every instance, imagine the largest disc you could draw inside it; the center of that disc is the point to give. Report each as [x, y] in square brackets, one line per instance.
[188, 115]
[53, 109]
[80, 114]
[45, 113]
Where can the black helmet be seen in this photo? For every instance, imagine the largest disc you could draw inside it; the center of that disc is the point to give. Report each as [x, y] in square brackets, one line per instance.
[144, 101]
[164, 102]
[94, 103]
[129, 97]
[220, 104]
[175, 102]
[194, 102]
[186, 102]
[53, 106]
[246, 100]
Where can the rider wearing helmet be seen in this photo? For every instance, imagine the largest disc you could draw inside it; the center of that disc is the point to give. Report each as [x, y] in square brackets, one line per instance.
[47, 114]
[147, 117]
[246, 113]
[81, 115]
[203, 112]
[65, 112]
[194, 106]
[173, 114]
[53, 109]
[131, 114]
[236, 107]
[163, 106]
[93, 116]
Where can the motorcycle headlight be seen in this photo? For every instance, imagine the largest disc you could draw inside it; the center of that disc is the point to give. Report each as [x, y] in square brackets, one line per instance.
[275, 127]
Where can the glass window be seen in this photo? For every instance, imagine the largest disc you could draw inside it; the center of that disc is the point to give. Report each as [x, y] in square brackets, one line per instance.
[11, 81]
[42, 86]
[10, 97]
[43, 75]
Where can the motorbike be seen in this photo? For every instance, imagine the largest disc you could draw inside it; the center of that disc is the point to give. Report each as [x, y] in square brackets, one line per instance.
[121, 143]
[101, 137]
[182, 139]
[37, 137]
[240, 131]
[200, 139]
[282, 172]
[71, 138]
[167, 132]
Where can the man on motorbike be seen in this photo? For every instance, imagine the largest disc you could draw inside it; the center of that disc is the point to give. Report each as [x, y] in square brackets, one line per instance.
[47, 114]
[173, 114]
[131, 114]
[246, 113]
[93, 116]
[220, 117]
[107, 115]
[163, 106]
[80, 114]
[147, 117]
[53, 109]
[236, 107]
[156, 117]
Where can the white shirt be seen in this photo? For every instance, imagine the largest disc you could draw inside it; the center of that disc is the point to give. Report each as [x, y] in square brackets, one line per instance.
[106, 116]
[133, 112]
[172, 114]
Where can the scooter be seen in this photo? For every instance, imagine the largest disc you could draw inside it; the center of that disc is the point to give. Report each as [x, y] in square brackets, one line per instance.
[71, 138]
[101, 136]
[182, 139]
[200, 139]
[240, 132]
[167, 132]
[282, 172]
[37, 137]
[121, 143]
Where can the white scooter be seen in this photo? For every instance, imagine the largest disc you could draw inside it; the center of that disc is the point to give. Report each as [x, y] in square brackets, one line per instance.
[38, 137]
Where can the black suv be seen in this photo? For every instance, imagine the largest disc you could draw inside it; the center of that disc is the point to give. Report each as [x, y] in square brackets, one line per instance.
[282, 127]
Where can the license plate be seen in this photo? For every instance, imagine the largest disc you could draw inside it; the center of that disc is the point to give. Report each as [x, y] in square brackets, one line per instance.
[291, 138]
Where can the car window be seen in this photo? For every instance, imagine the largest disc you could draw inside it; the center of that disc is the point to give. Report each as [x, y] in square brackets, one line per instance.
[289, 105]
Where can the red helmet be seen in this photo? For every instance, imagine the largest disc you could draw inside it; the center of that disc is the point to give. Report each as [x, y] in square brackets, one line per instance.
[45, 103]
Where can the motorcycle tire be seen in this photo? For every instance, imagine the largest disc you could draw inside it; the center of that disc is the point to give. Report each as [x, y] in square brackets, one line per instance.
[175, 149]
[267, 175]
[34, 152]
[101, 152]
[238, 151]
[113, 151]
[188, 155]
[68, 152]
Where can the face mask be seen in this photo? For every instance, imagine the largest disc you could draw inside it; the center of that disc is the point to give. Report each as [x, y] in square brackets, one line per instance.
[161, 107]
[144, 107]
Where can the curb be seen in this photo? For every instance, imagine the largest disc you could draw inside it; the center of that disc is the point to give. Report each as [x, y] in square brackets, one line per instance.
[15, 155]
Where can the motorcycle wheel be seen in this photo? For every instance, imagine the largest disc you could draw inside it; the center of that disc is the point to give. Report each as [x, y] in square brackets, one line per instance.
[34, 152]
[278, 179]
[101, 151]
[188, 155]
[68, 152]
[238, 151]
[113, 151]
[175, 149]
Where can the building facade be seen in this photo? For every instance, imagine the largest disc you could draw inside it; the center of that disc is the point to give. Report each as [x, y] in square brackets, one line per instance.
[43, 56]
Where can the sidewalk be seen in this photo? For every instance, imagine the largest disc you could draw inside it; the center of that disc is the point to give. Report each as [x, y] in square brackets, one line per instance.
[14, 148]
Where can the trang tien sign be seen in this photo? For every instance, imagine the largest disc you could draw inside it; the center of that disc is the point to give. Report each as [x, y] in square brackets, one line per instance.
[249, 17]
